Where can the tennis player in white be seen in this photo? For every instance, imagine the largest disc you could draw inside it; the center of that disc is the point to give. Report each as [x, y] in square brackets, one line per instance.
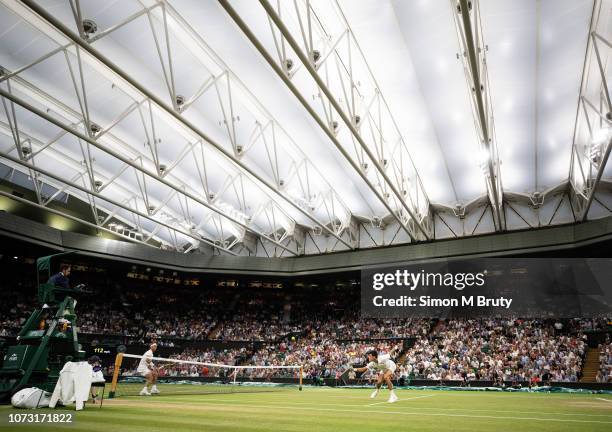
[382, 364]
[148, 370]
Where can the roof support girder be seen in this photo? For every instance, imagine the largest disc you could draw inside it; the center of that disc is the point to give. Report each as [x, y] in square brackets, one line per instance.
[592, 141]
[474, 59]
[420, 229]
[86, 46]
[127, 161]
[93, 193]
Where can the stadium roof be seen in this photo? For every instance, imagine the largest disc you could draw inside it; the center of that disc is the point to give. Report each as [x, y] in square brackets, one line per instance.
[289, 128]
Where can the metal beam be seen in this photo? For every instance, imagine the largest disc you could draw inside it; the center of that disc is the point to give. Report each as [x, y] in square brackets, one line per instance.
[111, 201]
[84, 44]
[69, 163]
[594, 154]
[593, 185]
[603, 159]
[131, 163]
[469, 32]
[307, 64]
[268, 130]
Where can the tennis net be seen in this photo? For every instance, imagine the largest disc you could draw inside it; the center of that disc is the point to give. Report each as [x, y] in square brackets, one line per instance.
[177, 376]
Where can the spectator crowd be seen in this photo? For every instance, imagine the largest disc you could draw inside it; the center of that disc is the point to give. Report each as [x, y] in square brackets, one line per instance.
[322, 334]
[604, 375]
[497, 350]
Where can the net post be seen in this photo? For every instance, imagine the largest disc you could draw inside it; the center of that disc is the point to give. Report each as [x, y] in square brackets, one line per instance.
[301, 374]
[118, 361]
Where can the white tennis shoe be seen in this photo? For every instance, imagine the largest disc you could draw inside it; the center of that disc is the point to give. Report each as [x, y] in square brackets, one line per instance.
[144, 392]
[374, 394]
[393, 398]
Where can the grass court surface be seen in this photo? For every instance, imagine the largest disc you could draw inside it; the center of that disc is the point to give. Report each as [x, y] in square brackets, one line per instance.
[327, 409]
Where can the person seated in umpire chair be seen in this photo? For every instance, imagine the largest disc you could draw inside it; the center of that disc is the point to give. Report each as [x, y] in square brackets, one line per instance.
[61, 279]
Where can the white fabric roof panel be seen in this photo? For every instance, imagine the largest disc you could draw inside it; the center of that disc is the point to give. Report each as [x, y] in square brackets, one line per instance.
[407, 53]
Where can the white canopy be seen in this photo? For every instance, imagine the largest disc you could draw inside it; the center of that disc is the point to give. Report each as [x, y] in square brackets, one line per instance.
[300, 127]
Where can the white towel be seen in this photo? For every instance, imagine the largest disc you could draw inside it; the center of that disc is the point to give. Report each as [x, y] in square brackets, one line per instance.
[73, 385]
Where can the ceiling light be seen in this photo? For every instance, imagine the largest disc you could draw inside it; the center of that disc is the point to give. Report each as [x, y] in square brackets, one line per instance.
[316, 55]
[89, 27]
[459, 211]
[94, 129]
[180, 101]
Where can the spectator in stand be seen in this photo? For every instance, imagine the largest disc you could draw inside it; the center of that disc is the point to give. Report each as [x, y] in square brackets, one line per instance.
[604, 375]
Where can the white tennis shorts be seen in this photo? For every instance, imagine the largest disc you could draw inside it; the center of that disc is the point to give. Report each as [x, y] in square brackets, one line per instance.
[391, 367]
[144, 371]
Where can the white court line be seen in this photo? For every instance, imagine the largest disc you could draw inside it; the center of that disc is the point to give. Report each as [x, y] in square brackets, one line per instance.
[401, 400]
[424, 408]
[243, 399]
[413, 413]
